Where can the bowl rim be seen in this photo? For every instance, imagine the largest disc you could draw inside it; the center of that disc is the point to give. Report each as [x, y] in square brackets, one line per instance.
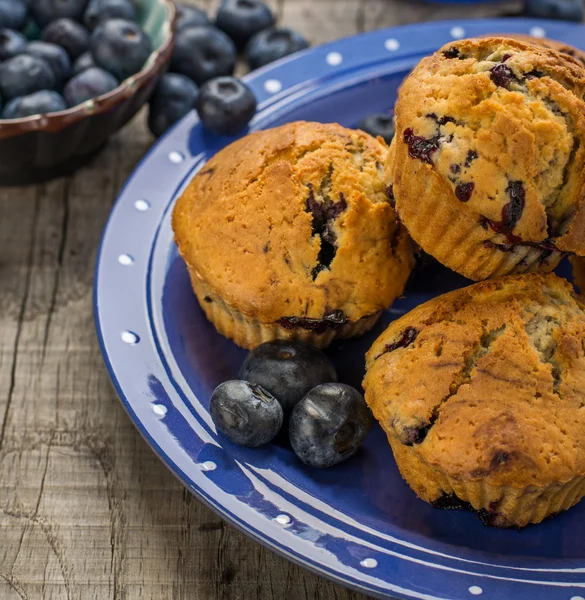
[58, 120]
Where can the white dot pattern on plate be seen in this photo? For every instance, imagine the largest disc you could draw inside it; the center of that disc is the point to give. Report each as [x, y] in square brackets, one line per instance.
[577, 598]
[475, 590]
[208, 465]
[176, 157]
[537, 31]
[129, 337]
[283, 519]
[391, 44]
[334, 59]
[457, 32]
[125, 259]
[142, 205]
[369, 563]
[159, 409]
[272, 86]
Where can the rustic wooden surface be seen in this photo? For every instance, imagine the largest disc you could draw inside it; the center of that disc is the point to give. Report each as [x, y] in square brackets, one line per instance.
[87, 511]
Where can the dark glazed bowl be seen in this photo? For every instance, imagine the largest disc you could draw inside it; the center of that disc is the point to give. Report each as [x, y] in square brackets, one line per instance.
[42, 147]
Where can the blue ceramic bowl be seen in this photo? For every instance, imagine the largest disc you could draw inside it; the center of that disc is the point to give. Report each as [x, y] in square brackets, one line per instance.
[41, 147]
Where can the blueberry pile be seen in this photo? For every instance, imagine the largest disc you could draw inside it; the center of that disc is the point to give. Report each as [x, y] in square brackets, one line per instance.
[82, 49]
[203, 63]
[284, 381]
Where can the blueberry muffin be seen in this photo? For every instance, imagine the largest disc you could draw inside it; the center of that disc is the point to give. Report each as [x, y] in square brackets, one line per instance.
[487, 168]
[289, 233]
[481, 393]
[548, 43]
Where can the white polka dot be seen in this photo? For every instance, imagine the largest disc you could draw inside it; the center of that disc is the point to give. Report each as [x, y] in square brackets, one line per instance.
[159, 409]
[475, 590]
[334, 59]
[369, 563]
[272, 86]
[129, 337]
[176, 157]
[537, 31]
[391, 44]
[457, 32]
[208, 465]
[577, 598]
[125, 259]
[283, 519]
[142, 205]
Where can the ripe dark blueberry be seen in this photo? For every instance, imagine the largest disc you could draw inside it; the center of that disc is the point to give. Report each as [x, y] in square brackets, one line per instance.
[11, 43]
[13, 14]
[512, 212]
[421, 147]
[98, 11]
[329, 424]
[120, 47]
[463, 191]
[567, 10]
[271, 44]
[46, 11]
[85, 61]
[241, 19]
[173, 98]
[407, 337]
[88, 84]
[23, 75]
[288, 370]
[202, 53]
[69, 34]
[190, 16]
[56, 56]
[225, 105]
[245, 413]
[380, 124]
[38, 103]
[502, 75]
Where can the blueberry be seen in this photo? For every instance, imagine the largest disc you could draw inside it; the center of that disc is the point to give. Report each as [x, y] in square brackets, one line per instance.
[46, 11]
[38, 103]
[23, 75]
[68, 34]
[329, 424]
[120, 47]
[173, 98]
[241, 19]
[189, 16]
[11, 43]
[225, 105]
[88, 84]
[202, 53]
[272, 44]
[245, 413]
[379, 124]
[13, 14]
[100, 10]
[85, 61]
[287, 369]
[569, 10]
[55, 56]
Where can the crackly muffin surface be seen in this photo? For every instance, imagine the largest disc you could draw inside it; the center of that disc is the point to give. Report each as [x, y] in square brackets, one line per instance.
[481, 393]
[488, 164]
[291, 229]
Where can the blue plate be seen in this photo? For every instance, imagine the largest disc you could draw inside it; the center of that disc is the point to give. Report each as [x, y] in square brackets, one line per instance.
[357, 523]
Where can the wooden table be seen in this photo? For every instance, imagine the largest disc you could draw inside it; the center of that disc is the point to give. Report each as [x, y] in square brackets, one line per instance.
[86, 508]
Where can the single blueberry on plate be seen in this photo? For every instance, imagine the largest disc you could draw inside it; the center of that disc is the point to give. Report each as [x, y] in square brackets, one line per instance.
[189, 16]
[120, 47]
[329, 424]
[56, 56]
[45, 101]
[100, 10]
[271, 44]
[287, 369]
[45, 11]
[68, 34]
[379, 124]
[202, 53]
[11, 43]
[88, 84]
[13, 14]
[245, 413]
[568, 10]
[225, 105]
[173, 98]
[85, 61]
[23, 75]
[241, 19]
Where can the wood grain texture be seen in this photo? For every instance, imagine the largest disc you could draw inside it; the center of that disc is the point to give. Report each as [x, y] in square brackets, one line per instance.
[87, 511]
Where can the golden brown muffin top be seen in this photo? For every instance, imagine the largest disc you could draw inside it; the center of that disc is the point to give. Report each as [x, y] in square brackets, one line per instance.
[295, 222]
[503, 123]
[488, 381]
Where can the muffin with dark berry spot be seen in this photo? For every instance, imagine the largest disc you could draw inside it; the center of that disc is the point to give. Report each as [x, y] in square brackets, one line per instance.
[289, 233]
[488, 164]
[481, 393]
